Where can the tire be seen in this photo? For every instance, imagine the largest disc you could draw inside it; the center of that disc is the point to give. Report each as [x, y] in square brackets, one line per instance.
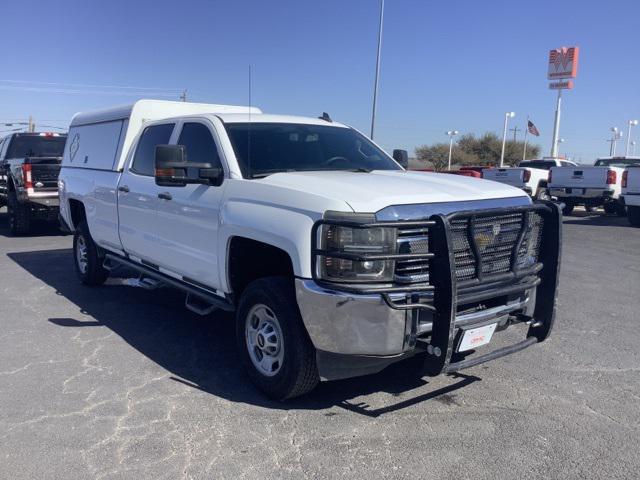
[86, 259]
[269, 326]
[633, 214]
[610, 208]
[542, 194]
[568, 208]
[19, 216]
[621, 210]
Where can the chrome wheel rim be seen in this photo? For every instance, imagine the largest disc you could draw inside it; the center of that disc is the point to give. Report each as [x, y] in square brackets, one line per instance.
[263, 337]
[81, 254]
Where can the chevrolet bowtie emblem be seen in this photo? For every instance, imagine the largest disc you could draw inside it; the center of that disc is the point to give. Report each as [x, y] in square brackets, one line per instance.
[483, 239]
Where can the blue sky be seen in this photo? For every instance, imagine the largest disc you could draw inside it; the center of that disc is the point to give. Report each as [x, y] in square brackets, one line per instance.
[445, 65]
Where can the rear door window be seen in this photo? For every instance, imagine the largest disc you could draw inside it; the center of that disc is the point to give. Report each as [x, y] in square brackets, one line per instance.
[144, 158]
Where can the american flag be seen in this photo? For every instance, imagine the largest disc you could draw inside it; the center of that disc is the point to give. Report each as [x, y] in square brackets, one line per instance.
[532, 128]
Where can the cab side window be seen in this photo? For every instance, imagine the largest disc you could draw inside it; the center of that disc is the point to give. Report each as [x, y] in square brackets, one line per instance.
[144, 158]
[199, 145]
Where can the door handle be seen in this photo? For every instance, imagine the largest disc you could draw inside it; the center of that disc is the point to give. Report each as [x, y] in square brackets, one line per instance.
[165, 196]
[123, 188]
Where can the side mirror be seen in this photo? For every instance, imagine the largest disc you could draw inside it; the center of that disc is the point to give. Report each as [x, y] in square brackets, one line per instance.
[170, 166]
[402, 157]
[211, 176]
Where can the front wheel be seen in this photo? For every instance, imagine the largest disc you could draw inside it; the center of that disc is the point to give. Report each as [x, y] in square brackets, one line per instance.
[274, 346]
[633, 214]
[87, 261]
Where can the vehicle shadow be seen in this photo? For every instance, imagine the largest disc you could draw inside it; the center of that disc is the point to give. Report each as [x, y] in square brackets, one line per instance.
[39, 228]
[200, 351]
[597, 219]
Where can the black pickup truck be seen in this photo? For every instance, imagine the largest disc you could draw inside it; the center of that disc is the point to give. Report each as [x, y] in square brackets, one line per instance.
[29, 168]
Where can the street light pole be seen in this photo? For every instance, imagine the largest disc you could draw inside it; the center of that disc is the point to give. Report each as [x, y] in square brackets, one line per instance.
[507, 116]
[451, 133]
[375, 85]
[632, 123]
[616, 135]
[556, 126]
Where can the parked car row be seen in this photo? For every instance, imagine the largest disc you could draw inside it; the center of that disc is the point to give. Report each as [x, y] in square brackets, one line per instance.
[601, 185]
[335, 259]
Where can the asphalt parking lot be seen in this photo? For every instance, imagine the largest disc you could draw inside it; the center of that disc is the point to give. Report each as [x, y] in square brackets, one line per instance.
[119, 382]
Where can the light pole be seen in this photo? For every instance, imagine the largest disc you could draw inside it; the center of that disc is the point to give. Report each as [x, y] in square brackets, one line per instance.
[507, 116]
[375, 85]
[560, 140]
[632, 123]
[451, 133]
[616, 135]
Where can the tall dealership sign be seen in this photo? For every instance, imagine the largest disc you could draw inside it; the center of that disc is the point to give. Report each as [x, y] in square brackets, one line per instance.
[563, 68]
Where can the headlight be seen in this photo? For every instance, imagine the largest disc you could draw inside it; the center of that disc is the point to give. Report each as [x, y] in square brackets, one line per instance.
[348, 243]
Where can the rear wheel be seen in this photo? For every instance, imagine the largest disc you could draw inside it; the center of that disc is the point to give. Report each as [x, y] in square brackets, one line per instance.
[542, 194]
[610, 208]
[568, 208]
[274, 346]
[633, 214]
[621, 210]
[19, 215]
[87, 261]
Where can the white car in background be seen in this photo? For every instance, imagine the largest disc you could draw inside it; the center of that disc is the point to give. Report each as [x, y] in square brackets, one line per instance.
[530, 175]
[591, 186]
[631, 193]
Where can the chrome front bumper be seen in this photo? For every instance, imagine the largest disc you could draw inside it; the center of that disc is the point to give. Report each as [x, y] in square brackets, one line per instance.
[352, 324]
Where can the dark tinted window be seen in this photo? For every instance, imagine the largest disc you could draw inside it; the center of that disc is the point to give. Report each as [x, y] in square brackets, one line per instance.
[541, 164]
[265, 148]
[145, 157]
[21, 146]
[617, 162]
[199, 146]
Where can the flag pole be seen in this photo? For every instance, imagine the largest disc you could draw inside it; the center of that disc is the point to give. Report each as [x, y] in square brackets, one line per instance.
[526, 132]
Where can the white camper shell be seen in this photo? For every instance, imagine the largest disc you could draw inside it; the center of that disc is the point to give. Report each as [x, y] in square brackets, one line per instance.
[111, 132]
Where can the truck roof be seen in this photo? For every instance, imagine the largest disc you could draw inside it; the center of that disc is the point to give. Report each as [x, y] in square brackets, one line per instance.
[268, 118]
[145, 110]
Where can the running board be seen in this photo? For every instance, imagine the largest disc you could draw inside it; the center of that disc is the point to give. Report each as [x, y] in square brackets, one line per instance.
[204, 300]
[198, 305]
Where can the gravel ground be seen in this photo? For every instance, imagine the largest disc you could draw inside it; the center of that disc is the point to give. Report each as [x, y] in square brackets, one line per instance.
[119, 382]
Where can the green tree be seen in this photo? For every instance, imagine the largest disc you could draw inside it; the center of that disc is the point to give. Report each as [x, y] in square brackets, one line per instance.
[472, 150]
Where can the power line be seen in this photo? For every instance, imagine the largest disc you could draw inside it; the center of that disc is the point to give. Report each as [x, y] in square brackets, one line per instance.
[84, 85]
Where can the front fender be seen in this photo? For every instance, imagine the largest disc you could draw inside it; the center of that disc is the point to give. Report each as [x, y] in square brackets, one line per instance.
[287, 229]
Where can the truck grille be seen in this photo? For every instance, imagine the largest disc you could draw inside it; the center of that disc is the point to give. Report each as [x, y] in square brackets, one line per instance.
[494, 239]
[413, 240]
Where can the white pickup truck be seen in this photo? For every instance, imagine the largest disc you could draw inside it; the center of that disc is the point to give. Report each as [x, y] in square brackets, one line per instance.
[631, 193]
[591, 186]
[530, 175]
[336, 260]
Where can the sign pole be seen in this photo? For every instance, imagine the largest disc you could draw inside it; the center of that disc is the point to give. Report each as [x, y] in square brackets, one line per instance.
[556, 126]
[526, 131]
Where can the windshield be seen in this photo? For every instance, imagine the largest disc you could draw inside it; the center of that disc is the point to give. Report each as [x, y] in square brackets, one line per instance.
[36, 146]
[617, 162]
[267, 148]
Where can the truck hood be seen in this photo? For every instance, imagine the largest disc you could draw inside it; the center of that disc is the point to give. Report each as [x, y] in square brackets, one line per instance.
[370, 192]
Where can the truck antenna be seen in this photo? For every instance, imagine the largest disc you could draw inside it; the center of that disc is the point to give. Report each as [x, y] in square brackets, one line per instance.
[249, 129]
